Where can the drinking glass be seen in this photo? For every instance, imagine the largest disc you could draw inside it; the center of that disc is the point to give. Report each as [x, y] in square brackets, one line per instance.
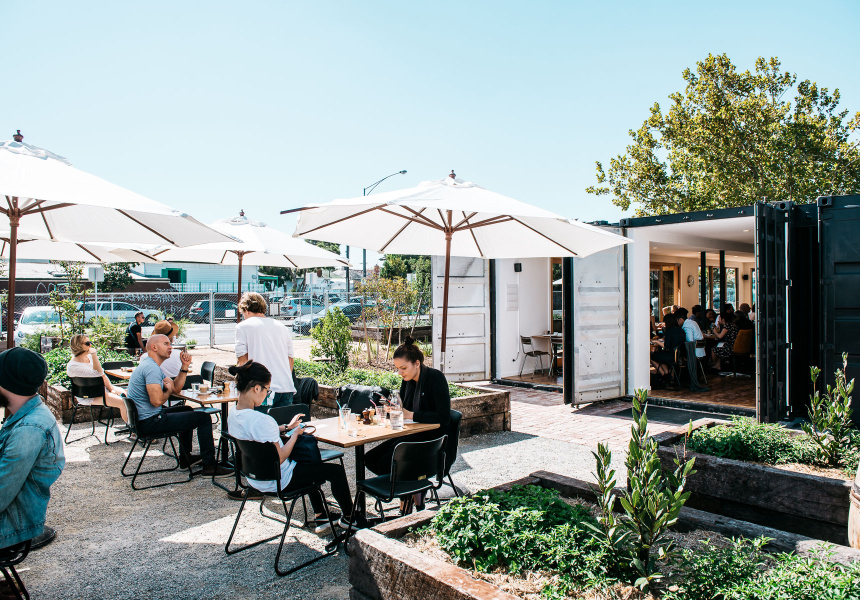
[195, 387]
[352, 428]
[344, 417]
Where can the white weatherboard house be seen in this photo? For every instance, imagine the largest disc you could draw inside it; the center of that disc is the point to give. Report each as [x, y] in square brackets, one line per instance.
[201, 277]
[796, 265]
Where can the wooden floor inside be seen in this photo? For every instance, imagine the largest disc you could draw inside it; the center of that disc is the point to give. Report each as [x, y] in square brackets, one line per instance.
[731, 391]
[538, 378]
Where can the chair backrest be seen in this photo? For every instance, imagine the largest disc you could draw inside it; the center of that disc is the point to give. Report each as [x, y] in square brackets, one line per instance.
[413, 461]
[284, 414]
[357, 397]
[453, 439]
[526, 341]
[207, 371]
[743, 342]
[191, 379]
[131, 411]
[117, 364]
[88, 387]
[260, 461]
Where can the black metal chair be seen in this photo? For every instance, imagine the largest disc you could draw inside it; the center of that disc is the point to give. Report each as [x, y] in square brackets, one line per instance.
[283, 415]
[118, 364]
[207, 371]
[9, 558]
[89, 388]
[358, 397]
[259, 461]
[451, 448]
[146, 441]
[527, 348]
[209, 410]
[413, 465]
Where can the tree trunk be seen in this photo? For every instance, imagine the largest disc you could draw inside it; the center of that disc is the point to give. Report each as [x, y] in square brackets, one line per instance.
[390, 332]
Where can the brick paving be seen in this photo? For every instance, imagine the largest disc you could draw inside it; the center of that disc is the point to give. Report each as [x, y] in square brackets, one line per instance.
[545, 414]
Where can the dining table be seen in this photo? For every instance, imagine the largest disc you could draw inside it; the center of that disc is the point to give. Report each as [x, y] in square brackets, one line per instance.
[329, 431]
[554, 341]
[122, 373]
[222, 398]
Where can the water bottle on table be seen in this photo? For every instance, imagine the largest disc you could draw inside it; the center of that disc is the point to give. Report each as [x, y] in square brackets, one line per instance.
[396, 410]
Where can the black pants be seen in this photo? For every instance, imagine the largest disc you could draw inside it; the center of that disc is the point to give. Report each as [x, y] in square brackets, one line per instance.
[305, 474]
[184, 420]
[378, 459]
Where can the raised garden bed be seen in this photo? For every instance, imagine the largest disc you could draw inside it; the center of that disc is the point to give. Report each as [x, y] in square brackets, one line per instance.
[806, 504]
[485, 411]
[59, 400]
[382, 566]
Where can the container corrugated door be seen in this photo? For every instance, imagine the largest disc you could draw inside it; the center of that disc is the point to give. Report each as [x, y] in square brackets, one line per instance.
[839, 222]
[771, 312]
[468, 351]
[599, 329]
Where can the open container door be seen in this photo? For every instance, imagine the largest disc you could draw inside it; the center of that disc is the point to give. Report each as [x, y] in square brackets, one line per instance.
[771, 312]
[839, 223]
[596, 301]
[468, 351]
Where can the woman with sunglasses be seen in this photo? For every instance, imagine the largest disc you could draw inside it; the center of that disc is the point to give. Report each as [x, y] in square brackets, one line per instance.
[85, 363]
[253, 382]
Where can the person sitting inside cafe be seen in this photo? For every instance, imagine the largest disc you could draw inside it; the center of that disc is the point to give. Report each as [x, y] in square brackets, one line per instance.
[134, 335]
[726, 334]
[150, 389]
[673, 338]
[425, 397]
[85, 363]
[173, 364]
[253, 381]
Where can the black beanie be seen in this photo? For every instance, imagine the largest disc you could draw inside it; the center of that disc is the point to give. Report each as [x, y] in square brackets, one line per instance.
[22, 371]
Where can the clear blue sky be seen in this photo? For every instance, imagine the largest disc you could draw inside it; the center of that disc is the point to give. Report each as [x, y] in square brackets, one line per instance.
[215, 106]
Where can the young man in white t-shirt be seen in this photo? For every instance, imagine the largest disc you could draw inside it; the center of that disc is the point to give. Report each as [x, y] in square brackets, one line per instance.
[268, 342]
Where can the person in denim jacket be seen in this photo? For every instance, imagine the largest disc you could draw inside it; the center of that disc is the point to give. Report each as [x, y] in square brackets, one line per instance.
[31, 449]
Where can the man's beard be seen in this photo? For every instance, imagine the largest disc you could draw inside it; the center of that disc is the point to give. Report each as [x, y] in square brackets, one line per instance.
[4, 400]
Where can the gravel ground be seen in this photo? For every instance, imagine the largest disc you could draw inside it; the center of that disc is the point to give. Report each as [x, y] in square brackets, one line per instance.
[113, 542]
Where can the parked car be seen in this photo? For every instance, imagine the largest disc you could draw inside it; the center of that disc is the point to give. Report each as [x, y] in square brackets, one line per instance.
[296, 307]
[225, 310]
[36, 319]
[119, 312]
[304, 324]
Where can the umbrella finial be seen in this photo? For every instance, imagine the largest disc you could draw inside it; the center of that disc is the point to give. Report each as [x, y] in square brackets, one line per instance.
[453, 175]
[18, 137]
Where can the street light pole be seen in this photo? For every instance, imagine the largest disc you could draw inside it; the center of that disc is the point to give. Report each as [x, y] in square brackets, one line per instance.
[368, 190]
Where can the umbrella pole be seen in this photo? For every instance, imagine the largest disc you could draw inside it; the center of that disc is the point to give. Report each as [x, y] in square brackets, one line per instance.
[448, 234]
[239, 292]
[14, 219]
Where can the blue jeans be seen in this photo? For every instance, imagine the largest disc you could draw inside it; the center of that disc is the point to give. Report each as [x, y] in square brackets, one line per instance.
[279, 399]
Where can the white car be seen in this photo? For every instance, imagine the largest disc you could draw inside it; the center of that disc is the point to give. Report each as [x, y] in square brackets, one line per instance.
[35, 320]
[118, 312]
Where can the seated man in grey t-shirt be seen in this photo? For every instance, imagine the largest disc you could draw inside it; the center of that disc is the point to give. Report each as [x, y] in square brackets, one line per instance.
[150, 390]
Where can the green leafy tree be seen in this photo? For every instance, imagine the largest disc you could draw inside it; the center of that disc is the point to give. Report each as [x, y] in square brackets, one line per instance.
[330, 246]
[117, 277]
[393, 265]
[732, 138]
[66, 302]
[831, 427]
[333, 339]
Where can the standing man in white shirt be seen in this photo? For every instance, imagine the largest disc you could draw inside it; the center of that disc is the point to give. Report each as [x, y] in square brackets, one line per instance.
[268, 342]
[692, 333]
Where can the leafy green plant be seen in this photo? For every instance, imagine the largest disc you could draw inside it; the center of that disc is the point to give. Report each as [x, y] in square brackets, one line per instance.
[326, 375]
[651, 502]
[66, 302]
[58, 358]
[747, 439]
[713, 572]
[117, 276]
[333, 339]
[105, 333]
[831, 428]
[33, 341]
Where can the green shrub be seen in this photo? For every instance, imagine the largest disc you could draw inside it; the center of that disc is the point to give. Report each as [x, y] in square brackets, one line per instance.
[802, 578]
[528, 528]
[333, 339]
[326, 375]
[832, 430]
[58, 358]
[746, 439]
[104, 333]
[714, 572]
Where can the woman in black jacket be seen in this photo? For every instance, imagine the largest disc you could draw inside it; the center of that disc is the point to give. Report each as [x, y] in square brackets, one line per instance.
[424, 392]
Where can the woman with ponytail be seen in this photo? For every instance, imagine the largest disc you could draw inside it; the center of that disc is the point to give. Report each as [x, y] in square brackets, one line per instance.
[424, 392]
[253, 381]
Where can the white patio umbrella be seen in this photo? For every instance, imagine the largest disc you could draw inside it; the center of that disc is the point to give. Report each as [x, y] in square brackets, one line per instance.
[48, 250]
[47, 198]
[454, 218]
[258, 245]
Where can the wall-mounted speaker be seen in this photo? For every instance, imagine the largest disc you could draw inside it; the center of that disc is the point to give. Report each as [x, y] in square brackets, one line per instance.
[518, 267]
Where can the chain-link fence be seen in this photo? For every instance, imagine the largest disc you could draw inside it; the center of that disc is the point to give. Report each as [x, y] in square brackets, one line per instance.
[210, 317]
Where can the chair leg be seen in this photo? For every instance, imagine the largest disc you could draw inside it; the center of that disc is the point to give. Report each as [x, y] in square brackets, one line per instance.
[93, 422]
[454, 487]
[72, 422]
[127, 458]
[151, 471]
[227, 548]
[15, 583]
[358, 494]
[331, 548]
[522, 365]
